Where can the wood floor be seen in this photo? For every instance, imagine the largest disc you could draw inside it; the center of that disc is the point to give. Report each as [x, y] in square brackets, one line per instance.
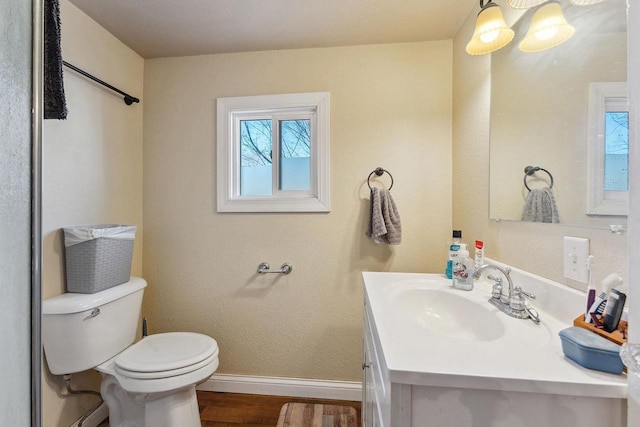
[250, 410]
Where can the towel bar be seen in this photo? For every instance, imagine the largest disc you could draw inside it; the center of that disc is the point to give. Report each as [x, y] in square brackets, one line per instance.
[264, 268]
[530, 170]
[379, 171]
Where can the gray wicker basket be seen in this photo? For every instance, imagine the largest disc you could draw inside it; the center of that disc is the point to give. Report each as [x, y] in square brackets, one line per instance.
[98, 264]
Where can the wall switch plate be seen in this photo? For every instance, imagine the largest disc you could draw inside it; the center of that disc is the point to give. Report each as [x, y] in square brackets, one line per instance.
[576, 252]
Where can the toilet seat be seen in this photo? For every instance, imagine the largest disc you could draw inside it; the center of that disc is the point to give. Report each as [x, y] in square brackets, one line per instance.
[166, 355]
[181, 359]
[158, 386]
[165, 374]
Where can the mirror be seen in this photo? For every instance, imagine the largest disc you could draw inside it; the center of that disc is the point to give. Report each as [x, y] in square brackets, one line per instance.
[540, 114]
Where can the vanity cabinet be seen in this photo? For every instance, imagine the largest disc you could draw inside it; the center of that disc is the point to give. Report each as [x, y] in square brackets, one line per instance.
[382, 400]
[416, 376]
[369, 401]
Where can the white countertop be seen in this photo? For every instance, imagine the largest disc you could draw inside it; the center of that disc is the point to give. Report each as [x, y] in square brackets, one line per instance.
[518, 356]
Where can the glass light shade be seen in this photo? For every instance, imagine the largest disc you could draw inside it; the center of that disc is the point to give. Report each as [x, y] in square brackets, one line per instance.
[585, 2]
[526, 4]
[548, 29]
[491, 32]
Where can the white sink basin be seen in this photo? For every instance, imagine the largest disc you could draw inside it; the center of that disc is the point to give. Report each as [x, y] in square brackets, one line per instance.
[434, 335]
[447, 313]
[424, 309]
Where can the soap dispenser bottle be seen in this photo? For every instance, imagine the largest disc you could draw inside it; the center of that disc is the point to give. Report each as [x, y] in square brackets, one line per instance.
[463, 268]
[454, 247]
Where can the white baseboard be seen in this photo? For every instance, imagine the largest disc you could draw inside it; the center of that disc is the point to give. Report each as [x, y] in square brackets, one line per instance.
[274, 386]
[277, 386]
[95, 418]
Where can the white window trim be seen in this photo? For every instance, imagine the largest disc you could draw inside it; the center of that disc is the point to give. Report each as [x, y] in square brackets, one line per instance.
[603, 96]
[228, 111]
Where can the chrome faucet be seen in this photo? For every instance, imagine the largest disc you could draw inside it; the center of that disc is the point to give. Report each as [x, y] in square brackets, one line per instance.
[513, 303]
[498, 280]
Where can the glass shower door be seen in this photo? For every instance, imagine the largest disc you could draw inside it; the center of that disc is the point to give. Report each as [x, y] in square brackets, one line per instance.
[17, 397]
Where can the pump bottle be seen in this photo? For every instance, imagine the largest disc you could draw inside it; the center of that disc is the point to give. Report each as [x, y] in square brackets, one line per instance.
[463, 268]
[454, 247]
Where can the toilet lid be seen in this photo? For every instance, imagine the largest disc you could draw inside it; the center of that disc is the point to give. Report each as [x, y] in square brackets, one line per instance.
[167, 352]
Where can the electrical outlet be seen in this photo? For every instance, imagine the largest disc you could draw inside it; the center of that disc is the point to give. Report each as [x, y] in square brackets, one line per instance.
[576, 252]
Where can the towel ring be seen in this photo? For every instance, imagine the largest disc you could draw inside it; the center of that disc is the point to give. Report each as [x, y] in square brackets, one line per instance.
[530, 170]
[379, 172]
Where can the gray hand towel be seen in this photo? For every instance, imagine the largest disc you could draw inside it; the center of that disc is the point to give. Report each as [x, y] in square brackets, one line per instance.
[540, 206]
[384, 220]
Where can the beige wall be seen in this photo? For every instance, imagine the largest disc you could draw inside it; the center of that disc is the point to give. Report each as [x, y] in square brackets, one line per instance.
[533, 247]
[92, 170]
[390, 107]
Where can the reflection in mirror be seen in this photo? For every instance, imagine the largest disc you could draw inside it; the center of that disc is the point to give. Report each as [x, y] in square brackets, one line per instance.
[540, 116]
[608, 149]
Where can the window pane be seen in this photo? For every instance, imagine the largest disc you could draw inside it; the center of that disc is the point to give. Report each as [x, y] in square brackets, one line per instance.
[255, 158]
[616, 151]
[295, 154]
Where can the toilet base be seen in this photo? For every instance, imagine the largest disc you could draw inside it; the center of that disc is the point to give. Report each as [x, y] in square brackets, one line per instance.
[168, 409]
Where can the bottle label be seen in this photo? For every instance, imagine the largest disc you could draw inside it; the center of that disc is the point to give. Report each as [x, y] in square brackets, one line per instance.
[460, 271]
[454, 247]
[462, 275]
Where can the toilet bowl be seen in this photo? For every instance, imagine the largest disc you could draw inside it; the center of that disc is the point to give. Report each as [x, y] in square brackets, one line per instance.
[151, 383]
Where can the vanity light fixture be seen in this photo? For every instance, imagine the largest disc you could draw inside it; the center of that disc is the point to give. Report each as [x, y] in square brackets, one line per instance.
[548, 29]
[526, 4]
[491, 32]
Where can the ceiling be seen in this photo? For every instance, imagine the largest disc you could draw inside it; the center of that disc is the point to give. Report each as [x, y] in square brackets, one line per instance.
[163, 28]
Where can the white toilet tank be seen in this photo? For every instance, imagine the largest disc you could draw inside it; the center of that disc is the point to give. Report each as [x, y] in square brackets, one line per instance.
[80, 331]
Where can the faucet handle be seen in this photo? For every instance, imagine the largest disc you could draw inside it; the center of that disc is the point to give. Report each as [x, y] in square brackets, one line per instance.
[494, 278]
[518, 290]
[533, 315]
[496, 291]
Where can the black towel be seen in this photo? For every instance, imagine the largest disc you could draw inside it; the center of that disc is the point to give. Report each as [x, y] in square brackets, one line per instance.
[55, 105]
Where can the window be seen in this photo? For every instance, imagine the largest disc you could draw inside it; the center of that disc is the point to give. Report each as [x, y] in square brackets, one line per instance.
[273, 153]
[616, 150]
[608, 149]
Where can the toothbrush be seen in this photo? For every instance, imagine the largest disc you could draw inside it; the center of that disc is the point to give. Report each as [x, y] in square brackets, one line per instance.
[591, 290]
[609, 282]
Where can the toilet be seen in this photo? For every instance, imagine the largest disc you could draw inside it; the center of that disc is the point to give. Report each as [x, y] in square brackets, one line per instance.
[149, 383]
